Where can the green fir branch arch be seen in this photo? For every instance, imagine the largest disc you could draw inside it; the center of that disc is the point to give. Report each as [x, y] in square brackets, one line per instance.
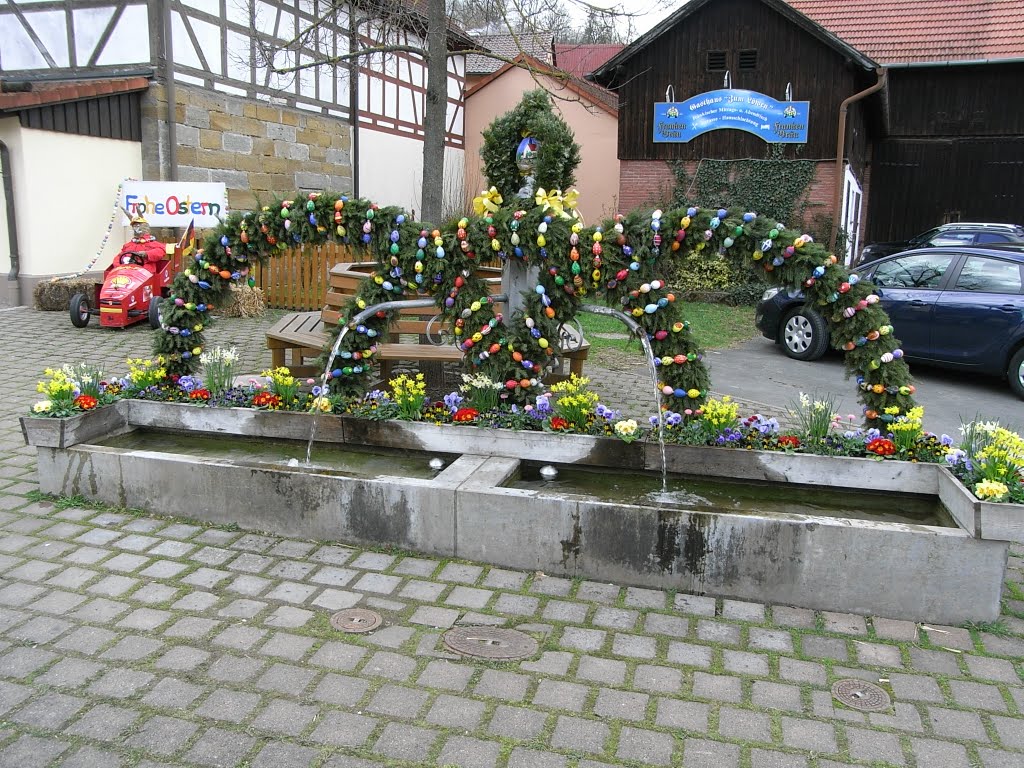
[620, 262]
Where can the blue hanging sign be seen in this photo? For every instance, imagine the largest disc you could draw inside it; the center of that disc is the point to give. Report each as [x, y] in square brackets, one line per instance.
[776, 122]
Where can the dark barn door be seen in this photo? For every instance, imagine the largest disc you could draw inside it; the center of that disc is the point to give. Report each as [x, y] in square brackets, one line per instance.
[916, 185]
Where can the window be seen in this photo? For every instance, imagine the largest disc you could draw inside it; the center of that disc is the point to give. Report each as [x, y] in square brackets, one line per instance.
[952, 238]
[992, 237]
[748, 59]
[984, 275]
[923, 270]
[716, 61]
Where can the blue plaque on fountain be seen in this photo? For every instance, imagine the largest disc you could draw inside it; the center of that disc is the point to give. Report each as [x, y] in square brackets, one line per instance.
[776, 122]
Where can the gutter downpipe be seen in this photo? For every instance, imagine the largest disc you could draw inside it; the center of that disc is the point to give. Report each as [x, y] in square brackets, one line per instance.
[837, 206]
[13, 277]
[172, 120]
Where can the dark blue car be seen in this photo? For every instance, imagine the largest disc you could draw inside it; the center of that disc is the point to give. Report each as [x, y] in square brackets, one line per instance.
[958, 307]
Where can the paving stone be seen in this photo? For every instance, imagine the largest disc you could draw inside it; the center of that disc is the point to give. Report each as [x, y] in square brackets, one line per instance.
[212, 555]
[639, 597]
[1001, 645]
[392, 636]
[220, 748]
[248, 562]
[977, 696]
[825, 647]
[1009, 731]
[456, 712]
[392, 666]
[615, 618]
[460, 573]
[415, 566]
[522, 757]
[67, 673]
[878, 655]
[929, 752]
[475, 619]
[796, 618]
[937, 662]
[182, 658]
[987, 668]
[136, 543]
[286, 717]
[242, 609]
[41, 629]
[86, 555]
[91, 757]
[825, 707]
[292, 592]
[396, 701]
[634, 646]
[291, 570]
[696, 605]
[240, 638]
[621, 705]
[171, 549]
[281, 754]
[125, 563]
[776, 696]
[153, 594]
[516, 605]
[744, 725]
[31, 752]
[844, 623]
[565, 611]
[583, 639]
[377, 582]
[743, 611]
[905, 717]
[341, 690]
[662, 624]
[762, 758]
[991, 758]
[333, 576]
[424, 591]
[558, 694]
[286, 678]
[467, 752]
[170, 693]
[777, 640]
[254, 543]
[249, 585]
[468, 597]
[915, 688]
[646, 747]
[33, 570]
[657, 679]
[599, 670]
[180, 531]
[121, 683]
[333, 555]
[718, 632]
[432, 616]
[405, 742]
[683, 715]
[701, 753]
[718, 687]
[949, 637]
[49, 711]
[288, 617]
[145, 619]
[597, 592]
[549, 663]
[895, 629]
[373, 561]
[445, 675]
[58, 602]
[217, 537]
[132, 648]
[103, 722]
[507, 686]
[579, 735]
[97, 536]
[744, 663]
[543, 584]
[234, 669]
[72, 578]
[690, 655]
[801, 671]
[112, 586]
[231, 706]
[144, 525]
[192, 627]
[338, 655]
[811, 735]
[162, 735]
[875, 746]
[20, 594]
[516, 722]
[22, 662]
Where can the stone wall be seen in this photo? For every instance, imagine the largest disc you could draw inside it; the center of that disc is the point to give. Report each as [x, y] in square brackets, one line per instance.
[257, 149]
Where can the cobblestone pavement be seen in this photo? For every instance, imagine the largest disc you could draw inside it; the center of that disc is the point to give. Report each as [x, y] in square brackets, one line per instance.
[133, 640]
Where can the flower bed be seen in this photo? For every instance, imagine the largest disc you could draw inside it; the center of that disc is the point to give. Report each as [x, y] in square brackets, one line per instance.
[989, 461]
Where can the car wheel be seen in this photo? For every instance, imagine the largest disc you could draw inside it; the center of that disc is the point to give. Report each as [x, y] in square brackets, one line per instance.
[1015, 373]
[804, 334]
[154, 312]
[79, 310]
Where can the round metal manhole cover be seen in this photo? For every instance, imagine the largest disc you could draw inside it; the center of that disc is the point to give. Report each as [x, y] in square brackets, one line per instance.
[862, 695]
[356, 620]
[490, 643]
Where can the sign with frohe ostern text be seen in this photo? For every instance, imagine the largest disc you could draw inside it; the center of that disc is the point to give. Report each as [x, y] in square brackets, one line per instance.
[776, 122]
[176, 203]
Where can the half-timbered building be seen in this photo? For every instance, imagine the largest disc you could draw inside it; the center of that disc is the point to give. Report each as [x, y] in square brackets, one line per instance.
[95, 91]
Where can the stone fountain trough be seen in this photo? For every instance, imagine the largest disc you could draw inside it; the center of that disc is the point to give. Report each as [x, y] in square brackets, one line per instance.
[935, 573]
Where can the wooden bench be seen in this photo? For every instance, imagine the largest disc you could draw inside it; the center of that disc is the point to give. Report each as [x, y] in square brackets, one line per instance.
[299, 336]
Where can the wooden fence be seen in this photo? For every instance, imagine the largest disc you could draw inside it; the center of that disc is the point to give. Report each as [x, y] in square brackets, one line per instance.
[296, 279]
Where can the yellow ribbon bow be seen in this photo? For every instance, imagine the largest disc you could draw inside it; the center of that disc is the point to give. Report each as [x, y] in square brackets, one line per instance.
[487, 201]
[556, 202]
[570, 201]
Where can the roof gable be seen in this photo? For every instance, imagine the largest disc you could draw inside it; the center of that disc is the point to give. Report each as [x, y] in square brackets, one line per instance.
[588, 92]
[909, 31]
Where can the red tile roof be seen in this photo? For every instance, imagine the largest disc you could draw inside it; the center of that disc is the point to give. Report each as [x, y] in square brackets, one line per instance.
[902, 31]
[58, 92]
[578, 60]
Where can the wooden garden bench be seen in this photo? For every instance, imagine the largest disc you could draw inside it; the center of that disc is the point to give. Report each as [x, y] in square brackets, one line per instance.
[299, 336]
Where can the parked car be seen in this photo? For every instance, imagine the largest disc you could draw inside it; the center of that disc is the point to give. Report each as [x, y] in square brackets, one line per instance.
[960, 307]
[955, 233]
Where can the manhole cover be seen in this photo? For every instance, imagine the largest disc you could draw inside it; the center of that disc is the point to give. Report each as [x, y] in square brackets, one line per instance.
[862, 695]
[490, 643]
[356, 620]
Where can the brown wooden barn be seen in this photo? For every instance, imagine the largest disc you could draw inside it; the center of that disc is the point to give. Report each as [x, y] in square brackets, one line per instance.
[914, 112]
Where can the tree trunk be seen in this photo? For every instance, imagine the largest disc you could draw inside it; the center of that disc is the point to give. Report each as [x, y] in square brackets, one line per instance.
[435, 116]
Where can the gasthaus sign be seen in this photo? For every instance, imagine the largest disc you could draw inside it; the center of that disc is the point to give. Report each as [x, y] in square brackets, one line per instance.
[777, 122]
[175, 203]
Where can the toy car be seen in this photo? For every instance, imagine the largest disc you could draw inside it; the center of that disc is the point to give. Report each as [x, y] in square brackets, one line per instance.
[131, 291]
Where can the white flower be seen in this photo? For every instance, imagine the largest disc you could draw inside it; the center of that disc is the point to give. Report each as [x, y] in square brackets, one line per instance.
[626, 428]
[42, 406]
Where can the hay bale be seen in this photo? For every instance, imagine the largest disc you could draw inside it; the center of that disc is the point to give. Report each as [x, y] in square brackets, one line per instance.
[51, 296]
[245, 302]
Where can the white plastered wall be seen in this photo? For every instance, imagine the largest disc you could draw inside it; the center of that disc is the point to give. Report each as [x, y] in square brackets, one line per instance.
[65, 188]
[391, 171]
